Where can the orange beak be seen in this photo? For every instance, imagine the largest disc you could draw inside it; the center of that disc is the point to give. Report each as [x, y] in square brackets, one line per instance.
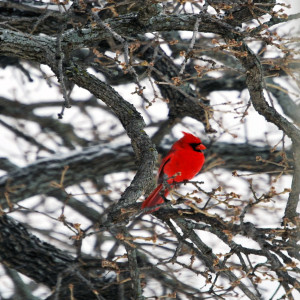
[201, 147]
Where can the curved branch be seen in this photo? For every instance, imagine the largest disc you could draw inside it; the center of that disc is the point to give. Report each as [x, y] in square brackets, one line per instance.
[42, 50]
[255, 84]
[134, 125]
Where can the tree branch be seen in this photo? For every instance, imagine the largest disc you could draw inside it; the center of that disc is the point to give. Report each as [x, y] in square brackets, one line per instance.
[18, 248]
[97, 161]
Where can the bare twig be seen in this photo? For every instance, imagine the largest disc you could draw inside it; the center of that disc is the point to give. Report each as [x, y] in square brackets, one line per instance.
[191, 46]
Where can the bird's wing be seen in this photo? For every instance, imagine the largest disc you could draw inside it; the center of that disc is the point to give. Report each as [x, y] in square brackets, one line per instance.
[165, 161]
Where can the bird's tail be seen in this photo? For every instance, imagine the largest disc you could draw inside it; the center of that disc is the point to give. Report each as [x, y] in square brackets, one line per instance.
[155, 198]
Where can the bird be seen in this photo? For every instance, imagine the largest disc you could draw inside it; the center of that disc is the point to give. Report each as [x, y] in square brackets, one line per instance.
[183, 162]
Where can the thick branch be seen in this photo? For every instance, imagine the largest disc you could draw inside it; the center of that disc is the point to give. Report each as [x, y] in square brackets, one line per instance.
[36, 178]
[97, 161]
[45, 264]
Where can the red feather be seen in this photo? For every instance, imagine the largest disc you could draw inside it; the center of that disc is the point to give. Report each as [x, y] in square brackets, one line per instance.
[183, 162]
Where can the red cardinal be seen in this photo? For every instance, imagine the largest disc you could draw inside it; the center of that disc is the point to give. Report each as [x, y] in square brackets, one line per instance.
[183, 162]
